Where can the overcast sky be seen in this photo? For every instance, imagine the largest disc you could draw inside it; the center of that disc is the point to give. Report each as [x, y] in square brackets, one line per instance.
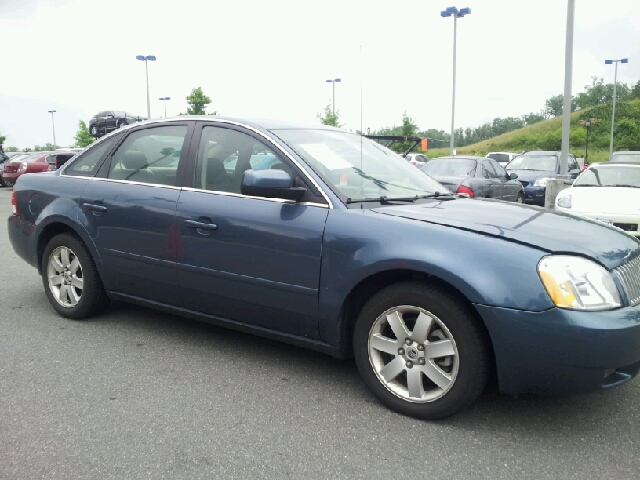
[271, 59]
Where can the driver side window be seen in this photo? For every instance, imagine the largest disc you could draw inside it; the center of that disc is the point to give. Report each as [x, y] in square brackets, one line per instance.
[225, 154]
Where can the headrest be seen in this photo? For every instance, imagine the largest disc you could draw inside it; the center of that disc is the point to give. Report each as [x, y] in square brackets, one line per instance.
[215, 169]
[134, 161]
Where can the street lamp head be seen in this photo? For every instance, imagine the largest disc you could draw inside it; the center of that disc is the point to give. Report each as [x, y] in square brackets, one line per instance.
[52, 111]
[445, 13]
[167, 98]
[624, 60]
[608, 62]
[140, 57]
[452, 10]
[151, 58]
[464, 11]
[337, 80]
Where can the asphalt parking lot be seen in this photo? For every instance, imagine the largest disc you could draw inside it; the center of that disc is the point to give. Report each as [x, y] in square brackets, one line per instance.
[139, 394]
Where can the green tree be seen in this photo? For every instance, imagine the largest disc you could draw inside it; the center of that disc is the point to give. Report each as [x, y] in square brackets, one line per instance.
[11, 149]
[554, 105]
[532, 118]
[2, 138]
[329, 117]
[635, 90]
[83, 137]
[198, 102]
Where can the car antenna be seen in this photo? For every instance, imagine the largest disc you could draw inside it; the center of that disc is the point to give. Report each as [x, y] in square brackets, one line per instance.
[361, 131]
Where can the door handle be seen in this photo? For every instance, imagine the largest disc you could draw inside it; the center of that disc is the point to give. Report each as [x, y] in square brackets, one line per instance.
[201, 225]
[94, 207]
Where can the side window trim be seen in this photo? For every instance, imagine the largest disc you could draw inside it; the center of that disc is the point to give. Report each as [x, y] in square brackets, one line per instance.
[100, 163]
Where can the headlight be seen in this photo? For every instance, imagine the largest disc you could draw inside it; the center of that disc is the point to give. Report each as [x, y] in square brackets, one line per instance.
[564, 202]
[541, 182]
[577, 283]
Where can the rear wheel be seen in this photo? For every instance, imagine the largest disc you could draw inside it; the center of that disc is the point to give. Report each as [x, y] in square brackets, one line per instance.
[121, 124]
[420, 351]
[71, 279]
[520, 198]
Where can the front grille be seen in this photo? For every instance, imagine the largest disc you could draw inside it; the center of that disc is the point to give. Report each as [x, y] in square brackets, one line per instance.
[524, 183]
[629, 275]
[627, 227]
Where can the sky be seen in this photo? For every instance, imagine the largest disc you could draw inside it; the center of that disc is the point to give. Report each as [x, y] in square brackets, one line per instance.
[271, 59]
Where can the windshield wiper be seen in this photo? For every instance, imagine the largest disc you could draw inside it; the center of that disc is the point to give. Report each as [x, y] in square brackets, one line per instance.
[625, 185]
[384, 200]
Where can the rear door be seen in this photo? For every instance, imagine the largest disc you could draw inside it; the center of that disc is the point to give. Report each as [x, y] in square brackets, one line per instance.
[491, 187]
[508, 189]
[249, 259]
[129, 211]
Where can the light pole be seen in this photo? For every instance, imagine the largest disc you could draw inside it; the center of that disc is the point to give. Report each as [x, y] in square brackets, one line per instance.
[613, 112]
[145, 59]
[53, 125]
[165, 105]
[334, 81]
[455, 13]
[587, 124]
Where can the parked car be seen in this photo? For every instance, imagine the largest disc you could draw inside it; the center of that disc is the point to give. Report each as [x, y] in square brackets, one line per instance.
[60, 157]
[342, 247]
[615, 201]
[535, 168]
[417, 159]
[503, 158]
[34, 163]
[477, 177]
[109, 120]
[625, 156]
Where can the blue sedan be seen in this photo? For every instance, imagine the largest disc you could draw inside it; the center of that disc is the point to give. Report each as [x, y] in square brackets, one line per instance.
[336, 244]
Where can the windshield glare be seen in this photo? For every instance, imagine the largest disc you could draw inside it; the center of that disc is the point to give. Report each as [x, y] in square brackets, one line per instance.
[356, 167]
[609, 177]
[450, 167]
[533, 162]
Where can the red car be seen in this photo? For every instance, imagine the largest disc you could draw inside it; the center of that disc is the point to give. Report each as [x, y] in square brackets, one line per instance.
[33, 164]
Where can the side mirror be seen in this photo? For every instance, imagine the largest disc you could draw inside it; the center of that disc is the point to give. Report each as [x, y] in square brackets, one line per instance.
[512, 176]
[270, 184]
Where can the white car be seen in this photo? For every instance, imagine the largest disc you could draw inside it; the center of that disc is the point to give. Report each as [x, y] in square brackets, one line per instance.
[416, 159]
[503, 158]
[609, 193]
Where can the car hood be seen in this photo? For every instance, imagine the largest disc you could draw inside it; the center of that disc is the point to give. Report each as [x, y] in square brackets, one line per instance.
[532, 175]
[620, 200]
[528, 225]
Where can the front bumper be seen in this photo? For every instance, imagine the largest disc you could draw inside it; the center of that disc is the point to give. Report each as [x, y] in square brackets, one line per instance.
[534, 195]
[563, 351]
[12, 177]
[629, 223]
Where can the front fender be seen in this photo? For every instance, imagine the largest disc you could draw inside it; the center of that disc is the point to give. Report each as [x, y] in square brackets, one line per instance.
[486, 270]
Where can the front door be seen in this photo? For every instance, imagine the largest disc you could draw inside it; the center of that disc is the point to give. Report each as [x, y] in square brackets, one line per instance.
[248, 259]
[129, 210]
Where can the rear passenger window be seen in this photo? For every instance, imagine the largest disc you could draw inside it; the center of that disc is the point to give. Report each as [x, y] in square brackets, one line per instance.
[89, 162]
[150, 156]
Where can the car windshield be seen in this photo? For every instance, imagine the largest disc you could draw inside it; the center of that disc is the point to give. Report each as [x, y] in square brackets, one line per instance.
[626, 157]
[450, 167]
[610, 176]
[533, 162]
[358, 168]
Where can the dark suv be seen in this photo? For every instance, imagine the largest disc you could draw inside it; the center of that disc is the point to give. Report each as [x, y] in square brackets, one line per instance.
[535, 168]
[109, 120]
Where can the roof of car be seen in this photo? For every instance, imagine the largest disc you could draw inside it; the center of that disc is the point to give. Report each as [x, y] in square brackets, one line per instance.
[463, 157]
[541, 152]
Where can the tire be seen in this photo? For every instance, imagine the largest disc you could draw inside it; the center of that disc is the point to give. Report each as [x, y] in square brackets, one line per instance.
[399, 374]
[94, 132]
[8, 183]
[2, 184]
[121, 124]
[70, 279]
[520, 198]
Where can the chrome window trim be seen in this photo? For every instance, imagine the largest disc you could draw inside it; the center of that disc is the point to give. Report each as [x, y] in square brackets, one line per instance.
[200, 190]
[213, 122]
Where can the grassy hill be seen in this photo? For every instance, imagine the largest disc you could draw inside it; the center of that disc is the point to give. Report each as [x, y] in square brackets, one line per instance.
[547, 135]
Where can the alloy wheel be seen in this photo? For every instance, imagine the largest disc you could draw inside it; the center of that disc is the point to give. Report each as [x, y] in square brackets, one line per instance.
[65, 277]
[413, 354]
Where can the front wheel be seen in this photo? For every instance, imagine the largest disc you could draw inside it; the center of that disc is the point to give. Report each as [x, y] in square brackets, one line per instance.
[8, 183]
[71, 279]
[94, 131]
[520, 198]
[420, 351]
